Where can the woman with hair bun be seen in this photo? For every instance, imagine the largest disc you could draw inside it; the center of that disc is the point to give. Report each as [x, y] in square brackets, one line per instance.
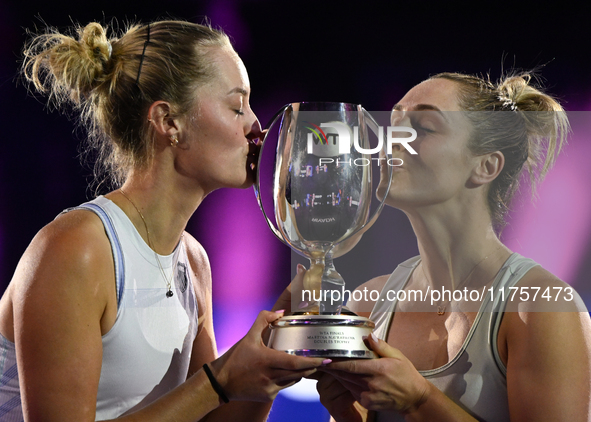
[492, 356]
[108, 315]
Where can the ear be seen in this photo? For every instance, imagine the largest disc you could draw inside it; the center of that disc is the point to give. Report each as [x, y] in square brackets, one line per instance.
[487, 168]
[160, 117]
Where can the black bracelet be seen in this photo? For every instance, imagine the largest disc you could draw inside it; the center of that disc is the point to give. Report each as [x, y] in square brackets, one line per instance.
[215, 384]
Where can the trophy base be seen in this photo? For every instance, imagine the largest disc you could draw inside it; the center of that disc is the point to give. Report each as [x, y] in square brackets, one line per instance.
[326, 336]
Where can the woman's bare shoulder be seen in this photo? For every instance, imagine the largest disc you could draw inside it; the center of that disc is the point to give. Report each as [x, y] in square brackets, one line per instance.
[63, 300]
[75, 242]
[541, 291]
[68, 263]
[538, 311]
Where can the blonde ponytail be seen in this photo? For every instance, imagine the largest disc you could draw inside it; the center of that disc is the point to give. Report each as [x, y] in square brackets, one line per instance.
[517, 118]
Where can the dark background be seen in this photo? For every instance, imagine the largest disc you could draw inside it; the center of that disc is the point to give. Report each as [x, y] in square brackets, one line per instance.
[361, 52]
[364, 52]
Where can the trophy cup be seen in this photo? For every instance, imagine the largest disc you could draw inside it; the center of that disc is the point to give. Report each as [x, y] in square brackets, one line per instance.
[322, 195]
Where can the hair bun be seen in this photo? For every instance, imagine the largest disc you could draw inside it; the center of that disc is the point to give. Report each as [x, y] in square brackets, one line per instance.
[95, 38]
[67, 67]
[518, 88]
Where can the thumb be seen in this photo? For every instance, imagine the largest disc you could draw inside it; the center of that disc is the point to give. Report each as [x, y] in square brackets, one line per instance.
[296, 288]
[263, 320]
[380, 347]
[257, 331]
[297, 283]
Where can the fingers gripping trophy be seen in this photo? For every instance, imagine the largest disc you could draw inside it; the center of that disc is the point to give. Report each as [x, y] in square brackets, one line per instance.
[322, 195]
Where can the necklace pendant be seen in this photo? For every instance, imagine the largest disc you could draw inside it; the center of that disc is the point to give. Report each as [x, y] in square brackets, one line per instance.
[169, 293]
[440, 310]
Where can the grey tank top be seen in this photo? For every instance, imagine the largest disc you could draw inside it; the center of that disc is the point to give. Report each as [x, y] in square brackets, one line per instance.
[476, 377]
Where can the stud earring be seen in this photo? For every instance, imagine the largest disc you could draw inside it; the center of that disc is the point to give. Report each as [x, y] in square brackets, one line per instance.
[174, 141]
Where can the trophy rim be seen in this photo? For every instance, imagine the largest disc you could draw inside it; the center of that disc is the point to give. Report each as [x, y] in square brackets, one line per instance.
[332, 353]
[324, 320]
[332, 251]
[353, 105]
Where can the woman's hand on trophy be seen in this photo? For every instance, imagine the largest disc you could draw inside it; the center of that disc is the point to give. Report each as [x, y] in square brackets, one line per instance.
[390, 383]
[338, 399]
[291, 298]
[251, 371]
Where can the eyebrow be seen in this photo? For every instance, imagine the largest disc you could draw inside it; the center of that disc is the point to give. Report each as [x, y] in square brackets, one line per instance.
[422, 107]
[238, 90]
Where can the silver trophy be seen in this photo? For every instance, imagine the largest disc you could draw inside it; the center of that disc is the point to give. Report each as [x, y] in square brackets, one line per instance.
[322, 197]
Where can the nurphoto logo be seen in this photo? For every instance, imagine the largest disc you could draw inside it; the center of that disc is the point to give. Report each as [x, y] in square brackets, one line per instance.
[336, 138]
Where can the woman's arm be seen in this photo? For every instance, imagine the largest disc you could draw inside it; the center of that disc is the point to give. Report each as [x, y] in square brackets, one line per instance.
[63, 300]
[547, 354]
[61, 296]
[548, 371]
[252, 357]
[204, 346]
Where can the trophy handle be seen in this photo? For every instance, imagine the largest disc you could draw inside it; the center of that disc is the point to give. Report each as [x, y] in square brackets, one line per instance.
[257, 183]
[352, 239]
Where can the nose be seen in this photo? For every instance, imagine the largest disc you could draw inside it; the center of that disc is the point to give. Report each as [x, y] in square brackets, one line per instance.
[399, 118]
[254, 131]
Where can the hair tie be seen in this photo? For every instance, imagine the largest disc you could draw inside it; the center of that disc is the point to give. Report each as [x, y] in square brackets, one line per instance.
[215, 384]
[507, 103]
[139, 70]
[110, 50]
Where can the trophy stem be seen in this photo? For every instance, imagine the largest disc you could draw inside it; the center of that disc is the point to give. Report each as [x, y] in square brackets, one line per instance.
[333, 287]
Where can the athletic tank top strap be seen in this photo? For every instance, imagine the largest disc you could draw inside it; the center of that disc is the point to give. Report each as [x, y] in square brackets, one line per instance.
[113, 239]
[383, 310]
[513, 274]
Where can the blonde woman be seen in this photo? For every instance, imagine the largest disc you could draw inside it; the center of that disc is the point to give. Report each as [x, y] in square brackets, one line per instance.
[108, 316]
[469, 357]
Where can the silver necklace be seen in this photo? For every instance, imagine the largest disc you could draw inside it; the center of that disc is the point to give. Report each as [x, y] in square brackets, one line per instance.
[166, 279]
[441, 307]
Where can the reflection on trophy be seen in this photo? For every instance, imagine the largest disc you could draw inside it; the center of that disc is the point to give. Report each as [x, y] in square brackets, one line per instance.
[322, 198]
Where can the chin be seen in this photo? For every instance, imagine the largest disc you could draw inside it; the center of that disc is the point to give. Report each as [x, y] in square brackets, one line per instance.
[251, 174]
[381, 190]
[247, 184]
[398, 202]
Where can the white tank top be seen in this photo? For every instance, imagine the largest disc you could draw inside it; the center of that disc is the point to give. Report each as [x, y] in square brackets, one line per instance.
[476, 377]
[147, 351]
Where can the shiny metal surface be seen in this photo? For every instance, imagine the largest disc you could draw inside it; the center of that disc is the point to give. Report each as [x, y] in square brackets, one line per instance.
[328, 320]
[322, 336]
[332, 353]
